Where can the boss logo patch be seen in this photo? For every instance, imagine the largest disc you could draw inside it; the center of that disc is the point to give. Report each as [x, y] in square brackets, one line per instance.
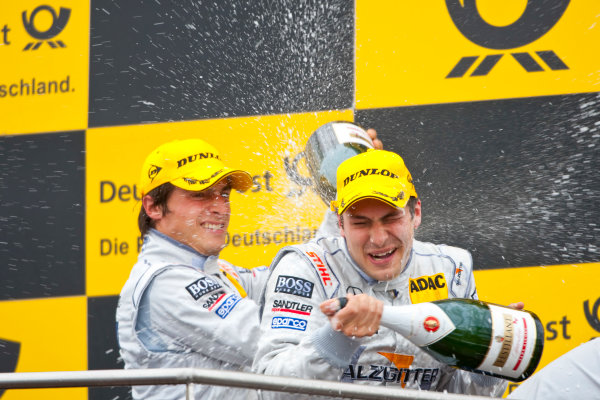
[201, 287]
[293, 285]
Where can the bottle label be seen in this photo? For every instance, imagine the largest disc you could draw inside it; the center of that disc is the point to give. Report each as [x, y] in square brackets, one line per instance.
[513, 342]
[350, 133]
[423, 324]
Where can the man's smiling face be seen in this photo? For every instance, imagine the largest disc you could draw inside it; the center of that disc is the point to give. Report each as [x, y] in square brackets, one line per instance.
[198, 219]
[379, 236]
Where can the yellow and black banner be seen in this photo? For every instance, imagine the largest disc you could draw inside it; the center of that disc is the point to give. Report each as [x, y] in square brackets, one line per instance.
[493, 106]
[467, 50]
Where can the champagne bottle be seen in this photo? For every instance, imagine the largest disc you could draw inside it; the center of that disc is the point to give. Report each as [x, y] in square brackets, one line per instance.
[472, 335]
[325, 150]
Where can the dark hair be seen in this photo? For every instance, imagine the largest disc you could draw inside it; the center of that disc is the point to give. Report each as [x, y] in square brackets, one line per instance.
[159, 196]
[412, 202]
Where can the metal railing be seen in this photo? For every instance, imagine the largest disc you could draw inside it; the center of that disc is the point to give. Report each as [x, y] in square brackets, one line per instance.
[191, 376]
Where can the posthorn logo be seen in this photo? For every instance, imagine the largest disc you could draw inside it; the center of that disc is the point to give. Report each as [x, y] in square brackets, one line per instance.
[59, 22]
[536, 20]
[591, 314]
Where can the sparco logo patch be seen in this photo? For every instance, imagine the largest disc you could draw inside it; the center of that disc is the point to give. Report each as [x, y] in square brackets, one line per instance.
[291, 307]
[536, 20]
[201, 287]
[296, 286]
[288, 323]
[228, 305]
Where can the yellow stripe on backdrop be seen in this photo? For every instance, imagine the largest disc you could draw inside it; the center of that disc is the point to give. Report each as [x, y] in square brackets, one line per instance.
[410, 54]
[551, 292]
[274, 212]
[44, 48]
[48, 335]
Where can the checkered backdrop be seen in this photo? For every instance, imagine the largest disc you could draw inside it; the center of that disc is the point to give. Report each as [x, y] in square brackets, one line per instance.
[497, 120]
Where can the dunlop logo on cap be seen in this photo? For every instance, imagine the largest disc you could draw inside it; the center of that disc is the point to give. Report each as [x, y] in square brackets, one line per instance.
[153, 172]
[369, 171]
[196, 157]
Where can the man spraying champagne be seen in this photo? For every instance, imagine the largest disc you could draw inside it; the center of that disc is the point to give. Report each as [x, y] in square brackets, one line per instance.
[375, 262]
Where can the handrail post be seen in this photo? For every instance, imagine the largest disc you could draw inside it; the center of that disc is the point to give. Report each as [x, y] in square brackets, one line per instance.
[189, 391]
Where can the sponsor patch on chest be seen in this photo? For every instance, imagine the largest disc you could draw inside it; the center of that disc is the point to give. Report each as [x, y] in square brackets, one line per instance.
[294, 285]
[202, 286]
[428, 288]
[288, 323]
[291, 307]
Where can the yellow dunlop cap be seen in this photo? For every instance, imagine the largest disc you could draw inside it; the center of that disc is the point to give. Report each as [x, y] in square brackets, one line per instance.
[374, 174]
[190, 164]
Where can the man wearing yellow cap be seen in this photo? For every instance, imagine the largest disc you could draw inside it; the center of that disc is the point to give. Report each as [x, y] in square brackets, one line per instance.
[182, 306]
[376, 261]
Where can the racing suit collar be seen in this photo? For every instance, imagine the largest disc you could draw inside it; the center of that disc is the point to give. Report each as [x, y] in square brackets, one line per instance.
[190, 256]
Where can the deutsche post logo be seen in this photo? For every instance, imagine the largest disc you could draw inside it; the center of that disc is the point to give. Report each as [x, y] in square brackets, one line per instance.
[59, 22]
[291, 169]
[537, 19]
[591, 314]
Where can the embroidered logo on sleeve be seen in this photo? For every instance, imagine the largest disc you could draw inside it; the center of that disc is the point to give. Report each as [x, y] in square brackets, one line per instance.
[201, 287]
[228, 305]
[214, 299]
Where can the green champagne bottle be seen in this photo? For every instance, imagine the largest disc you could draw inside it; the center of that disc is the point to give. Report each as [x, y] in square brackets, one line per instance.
[325, 150]
[472, 335]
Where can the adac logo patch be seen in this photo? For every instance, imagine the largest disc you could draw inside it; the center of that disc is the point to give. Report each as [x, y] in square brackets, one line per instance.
[59, 22]
[536, 20]
[428, 288]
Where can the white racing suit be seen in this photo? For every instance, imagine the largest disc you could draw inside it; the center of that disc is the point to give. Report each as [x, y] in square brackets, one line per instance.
[181, 309]
[297, 339]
